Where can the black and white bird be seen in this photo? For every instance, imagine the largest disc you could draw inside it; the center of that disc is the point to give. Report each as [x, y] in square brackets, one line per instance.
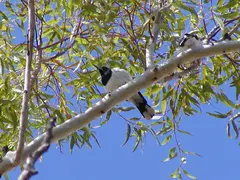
[190, 40]
[114, 78]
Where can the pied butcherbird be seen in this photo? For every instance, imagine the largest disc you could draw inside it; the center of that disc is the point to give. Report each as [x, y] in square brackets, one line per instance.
[114, 78]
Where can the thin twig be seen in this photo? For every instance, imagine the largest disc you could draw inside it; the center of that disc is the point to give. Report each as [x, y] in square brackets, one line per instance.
[29, 169]
[216, 29]
[59, 53]
[27, 90]
[231, 32]
[131, 19]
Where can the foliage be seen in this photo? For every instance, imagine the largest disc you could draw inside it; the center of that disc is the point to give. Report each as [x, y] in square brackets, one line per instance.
[73, 35]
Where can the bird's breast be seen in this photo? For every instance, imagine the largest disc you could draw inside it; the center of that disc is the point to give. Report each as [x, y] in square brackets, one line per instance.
[117, 79]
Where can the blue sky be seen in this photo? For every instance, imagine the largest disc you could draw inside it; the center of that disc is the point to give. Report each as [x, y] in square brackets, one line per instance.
[112, 161]
[219, 159]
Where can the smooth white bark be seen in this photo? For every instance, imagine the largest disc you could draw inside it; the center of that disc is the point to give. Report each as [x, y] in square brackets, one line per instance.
[27, 89]
[124, 92]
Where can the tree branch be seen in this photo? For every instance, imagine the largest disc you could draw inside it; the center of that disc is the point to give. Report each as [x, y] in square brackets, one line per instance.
[27, 90]
[29, 169]
[59, 53]
[124, 92]
[182, 73]
[231, 32]
[157, 20]
[39, 55]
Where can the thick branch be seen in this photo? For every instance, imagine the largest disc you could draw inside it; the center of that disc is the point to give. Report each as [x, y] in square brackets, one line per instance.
[26, 93]
[123, 93]
[181, 74]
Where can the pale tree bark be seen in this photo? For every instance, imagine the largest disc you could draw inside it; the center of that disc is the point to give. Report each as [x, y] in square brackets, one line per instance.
[124, 92]
[27, 89]
[157, 21]
[29, 169]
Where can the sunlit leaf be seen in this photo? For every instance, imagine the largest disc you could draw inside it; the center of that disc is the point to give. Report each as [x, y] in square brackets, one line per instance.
[189, 175]
[175, 174]
[166, 140]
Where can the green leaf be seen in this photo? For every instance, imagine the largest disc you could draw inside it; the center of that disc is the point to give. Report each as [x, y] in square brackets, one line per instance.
[232, 3]
[166, 140]
[164, 130]
[219, 22]
[155, 135]
[167, 94]
[6, 176]
[175, 174]
[164, 106]
[219, 115]
[228, 131]
[125, 109]
[191, 153]
[109, 113]
[225, 100]
[189, 175]
[9, 6]
[156, 88]
[235, 128]
[127, 134]
[72, 142]
[89, 8]
[136, 144]
[134, 119]
[181, 5]
[3, 15]
[172, 154]
[96, 140]
[184, 132]
[220, 3]
[231, 15]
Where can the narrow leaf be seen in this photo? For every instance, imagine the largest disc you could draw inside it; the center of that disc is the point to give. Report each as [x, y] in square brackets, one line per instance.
[96, 140]
[72, 142]
[136, 144]
[228, 131]
[219, 21]
[235, 129]
[168, 138]
[127, 134]
[218, 115]
[155, 136]
[175, 174]
[189, 175]
[184, 132]
[191, 153]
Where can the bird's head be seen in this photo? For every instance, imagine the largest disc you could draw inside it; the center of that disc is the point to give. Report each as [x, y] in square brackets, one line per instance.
[103, 70]
[189, 40]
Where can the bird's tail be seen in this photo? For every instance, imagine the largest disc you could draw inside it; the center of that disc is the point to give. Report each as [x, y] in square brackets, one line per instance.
[142, 105]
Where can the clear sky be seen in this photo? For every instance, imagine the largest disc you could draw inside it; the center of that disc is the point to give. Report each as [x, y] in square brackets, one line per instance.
[112, 161]
[220, 155]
